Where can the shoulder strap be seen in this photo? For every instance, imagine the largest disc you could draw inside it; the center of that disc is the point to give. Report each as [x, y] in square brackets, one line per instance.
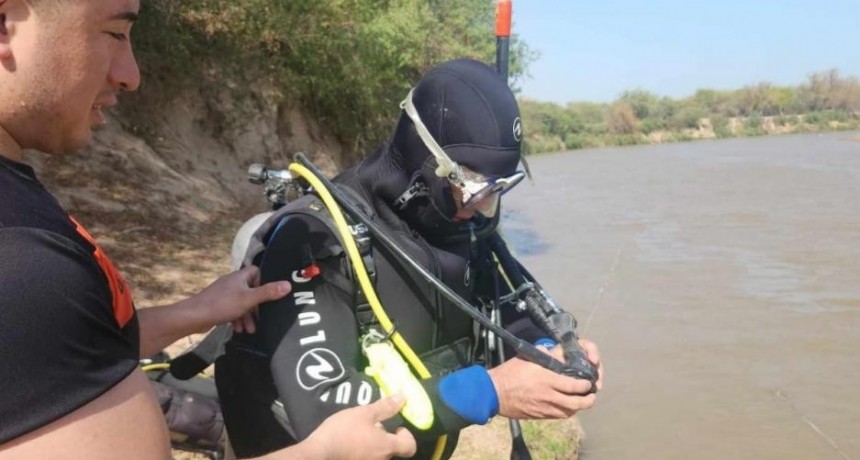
[363, 312]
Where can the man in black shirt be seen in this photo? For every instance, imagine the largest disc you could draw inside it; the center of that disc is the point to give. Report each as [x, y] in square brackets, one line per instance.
[69, 333]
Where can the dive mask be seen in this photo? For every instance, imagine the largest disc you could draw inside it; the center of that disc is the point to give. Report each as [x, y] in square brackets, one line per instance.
[475, 187]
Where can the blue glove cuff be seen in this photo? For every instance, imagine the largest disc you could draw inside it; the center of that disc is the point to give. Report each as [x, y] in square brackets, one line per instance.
[470, 393]
[545, 342]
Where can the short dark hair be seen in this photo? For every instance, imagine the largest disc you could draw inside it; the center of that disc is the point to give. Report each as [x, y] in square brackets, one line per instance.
[45, 5]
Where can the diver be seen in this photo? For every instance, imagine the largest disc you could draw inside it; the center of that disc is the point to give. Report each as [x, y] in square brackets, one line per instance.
[435, 186]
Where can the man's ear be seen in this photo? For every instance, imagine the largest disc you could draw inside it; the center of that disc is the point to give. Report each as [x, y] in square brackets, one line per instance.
[11, 12]
[5, 35]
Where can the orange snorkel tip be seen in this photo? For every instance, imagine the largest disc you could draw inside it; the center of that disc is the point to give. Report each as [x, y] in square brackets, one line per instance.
[504, 11]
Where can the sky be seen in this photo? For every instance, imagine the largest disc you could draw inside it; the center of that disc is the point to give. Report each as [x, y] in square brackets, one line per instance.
[592, 50]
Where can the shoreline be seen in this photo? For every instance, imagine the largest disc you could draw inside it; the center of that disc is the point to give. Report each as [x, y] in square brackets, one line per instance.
[657, 140]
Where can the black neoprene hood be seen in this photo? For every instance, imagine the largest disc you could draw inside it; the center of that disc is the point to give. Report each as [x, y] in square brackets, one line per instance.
[472, 115]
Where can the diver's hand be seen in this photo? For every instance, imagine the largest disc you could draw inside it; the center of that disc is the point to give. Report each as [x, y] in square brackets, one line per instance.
[527, 391]
[592, 354]
[357, 434]
[234, 297]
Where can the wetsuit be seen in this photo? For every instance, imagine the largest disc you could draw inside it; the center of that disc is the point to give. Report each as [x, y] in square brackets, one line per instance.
[307, 349]
[306, 354]
[68, 329]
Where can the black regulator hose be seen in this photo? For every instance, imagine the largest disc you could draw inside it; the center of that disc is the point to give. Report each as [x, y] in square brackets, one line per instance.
[561, 325]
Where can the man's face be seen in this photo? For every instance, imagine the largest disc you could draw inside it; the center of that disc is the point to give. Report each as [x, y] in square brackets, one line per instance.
[68, 63]
[487, 206]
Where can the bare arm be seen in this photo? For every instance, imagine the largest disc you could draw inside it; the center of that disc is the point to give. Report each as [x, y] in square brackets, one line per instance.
[230, 298]
[125, 422]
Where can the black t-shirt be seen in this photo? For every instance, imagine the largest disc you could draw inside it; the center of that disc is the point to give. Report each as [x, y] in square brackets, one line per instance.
[68, 330]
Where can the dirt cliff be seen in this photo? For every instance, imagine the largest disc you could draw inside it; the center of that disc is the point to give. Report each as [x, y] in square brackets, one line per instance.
[165, 201]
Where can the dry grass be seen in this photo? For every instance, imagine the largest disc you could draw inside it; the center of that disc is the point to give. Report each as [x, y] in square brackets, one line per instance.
[546, 440]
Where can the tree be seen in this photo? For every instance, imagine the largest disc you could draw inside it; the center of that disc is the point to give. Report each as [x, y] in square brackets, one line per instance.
[621, 119]
[828, 90]
[757, 100]
[349, 63]
[713, 101]
[643, 103]
[784, 99]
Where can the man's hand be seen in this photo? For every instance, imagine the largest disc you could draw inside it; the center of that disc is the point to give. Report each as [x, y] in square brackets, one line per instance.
[591, 353]
[357, 433]
[234, 297]
[527, 391]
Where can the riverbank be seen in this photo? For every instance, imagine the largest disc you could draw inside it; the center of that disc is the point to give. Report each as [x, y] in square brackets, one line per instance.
[827, 101]
[706, 129]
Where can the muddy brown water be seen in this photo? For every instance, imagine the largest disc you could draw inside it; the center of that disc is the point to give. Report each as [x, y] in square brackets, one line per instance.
[722, 282]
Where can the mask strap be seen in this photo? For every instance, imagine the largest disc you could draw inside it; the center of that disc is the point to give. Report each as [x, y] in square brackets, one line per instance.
[447, 167]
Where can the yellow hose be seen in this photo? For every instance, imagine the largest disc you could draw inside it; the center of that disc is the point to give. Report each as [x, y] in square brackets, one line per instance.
[366, 284]
[155, 367]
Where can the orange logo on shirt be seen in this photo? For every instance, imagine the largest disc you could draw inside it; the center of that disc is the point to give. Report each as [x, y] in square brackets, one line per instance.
[123, 305]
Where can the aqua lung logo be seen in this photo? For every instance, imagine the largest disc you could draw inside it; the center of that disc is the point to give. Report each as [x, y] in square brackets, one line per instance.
[518, 129]
[318, 366]
[467, 277]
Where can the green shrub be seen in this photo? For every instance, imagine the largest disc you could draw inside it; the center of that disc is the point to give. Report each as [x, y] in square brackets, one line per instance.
[721, 126]
[752, 125]
[814, 118]
[786, 120]
[680, 137]
[687, 118]
[625, 140]
[651, 124]
[573, 141]
[839, 116]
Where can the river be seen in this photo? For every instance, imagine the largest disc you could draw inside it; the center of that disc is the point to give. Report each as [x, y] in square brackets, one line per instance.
[721, 280]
